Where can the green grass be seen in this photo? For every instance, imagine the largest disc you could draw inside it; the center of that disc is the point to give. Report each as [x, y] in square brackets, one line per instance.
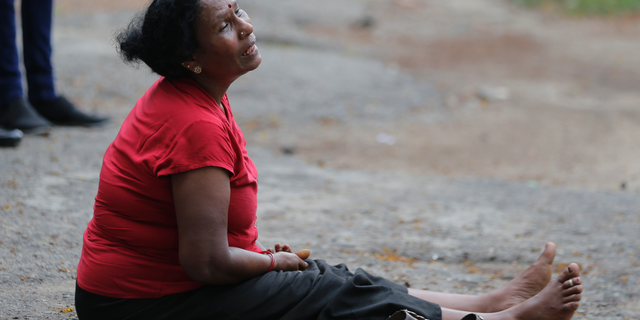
[588, 7]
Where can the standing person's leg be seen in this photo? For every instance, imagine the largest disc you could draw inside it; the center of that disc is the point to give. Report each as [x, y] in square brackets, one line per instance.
[37, 16]
[15, 113]
[10, 85]
[9, 73]
[36, 40]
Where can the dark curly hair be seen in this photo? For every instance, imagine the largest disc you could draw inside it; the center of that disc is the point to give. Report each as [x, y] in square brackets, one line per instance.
[163, 37]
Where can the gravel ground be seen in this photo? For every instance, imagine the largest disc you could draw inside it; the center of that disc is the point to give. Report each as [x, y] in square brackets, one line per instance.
[318, 96]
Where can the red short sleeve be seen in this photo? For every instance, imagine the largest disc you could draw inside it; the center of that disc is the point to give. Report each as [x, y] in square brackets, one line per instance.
[203, 143]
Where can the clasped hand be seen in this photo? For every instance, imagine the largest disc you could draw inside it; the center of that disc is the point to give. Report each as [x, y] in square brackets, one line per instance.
[286, 260]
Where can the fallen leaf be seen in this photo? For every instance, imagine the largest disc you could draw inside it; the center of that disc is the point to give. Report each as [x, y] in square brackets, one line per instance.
[389, 255]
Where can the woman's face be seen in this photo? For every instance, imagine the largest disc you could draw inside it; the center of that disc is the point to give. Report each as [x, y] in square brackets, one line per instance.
[227, 43]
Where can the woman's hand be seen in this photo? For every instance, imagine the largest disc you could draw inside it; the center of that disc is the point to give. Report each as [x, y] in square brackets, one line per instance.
[279, 248]
[302, 254]
[287, 261]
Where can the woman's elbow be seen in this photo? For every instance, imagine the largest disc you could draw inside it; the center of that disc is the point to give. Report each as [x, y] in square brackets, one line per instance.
[204, 271]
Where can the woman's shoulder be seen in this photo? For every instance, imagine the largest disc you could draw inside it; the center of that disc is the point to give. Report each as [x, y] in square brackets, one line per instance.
[186, 90]
[167, 113]
[178, 102]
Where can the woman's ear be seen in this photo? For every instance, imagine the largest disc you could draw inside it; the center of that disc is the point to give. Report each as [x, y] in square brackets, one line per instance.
[192, 66]
[191, 63]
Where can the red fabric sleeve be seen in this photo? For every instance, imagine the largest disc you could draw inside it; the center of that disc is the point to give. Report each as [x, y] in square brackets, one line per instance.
[203, 143]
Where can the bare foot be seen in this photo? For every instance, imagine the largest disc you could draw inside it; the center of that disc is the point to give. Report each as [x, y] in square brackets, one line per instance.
[557, 301]
[526, 285]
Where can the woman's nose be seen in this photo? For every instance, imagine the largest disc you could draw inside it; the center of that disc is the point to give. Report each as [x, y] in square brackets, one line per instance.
[246, 29]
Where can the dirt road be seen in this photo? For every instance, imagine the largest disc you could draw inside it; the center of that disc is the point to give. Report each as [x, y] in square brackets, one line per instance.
[436, 143]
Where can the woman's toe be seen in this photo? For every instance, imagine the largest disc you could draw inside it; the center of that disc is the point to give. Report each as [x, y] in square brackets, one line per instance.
[572, 271]
[572, 298]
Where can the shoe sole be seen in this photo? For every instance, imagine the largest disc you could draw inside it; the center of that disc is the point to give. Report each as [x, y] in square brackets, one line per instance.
[9, 142]
[36, 131]
[100, 124]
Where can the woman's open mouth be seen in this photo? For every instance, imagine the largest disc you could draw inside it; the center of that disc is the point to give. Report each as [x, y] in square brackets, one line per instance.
[250, 51]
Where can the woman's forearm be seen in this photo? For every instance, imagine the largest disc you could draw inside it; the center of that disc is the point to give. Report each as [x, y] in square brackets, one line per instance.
[235, 266]
[238, 265]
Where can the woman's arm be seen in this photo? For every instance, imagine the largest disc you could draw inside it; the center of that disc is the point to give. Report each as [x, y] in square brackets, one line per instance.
[201, 198]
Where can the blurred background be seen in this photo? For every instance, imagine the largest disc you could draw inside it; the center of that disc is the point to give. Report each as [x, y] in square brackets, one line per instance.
[541, 92]
[437, 143]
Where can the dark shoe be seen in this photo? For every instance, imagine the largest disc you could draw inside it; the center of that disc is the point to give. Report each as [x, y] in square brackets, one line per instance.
[19, 114]
[10, 138]
[62, 112]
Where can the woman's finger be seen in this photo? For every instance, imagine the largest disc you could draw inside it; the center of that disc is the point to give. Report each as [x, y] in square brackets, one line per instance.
[303, 265]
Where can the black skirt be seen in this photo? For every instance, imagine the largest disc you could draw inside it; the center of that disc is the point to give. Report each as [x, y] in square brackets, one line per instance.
[321, 292]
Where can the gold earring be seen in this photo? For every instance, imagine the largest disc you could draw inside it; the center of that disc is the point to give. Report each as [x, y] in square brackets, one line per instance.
[197, 69]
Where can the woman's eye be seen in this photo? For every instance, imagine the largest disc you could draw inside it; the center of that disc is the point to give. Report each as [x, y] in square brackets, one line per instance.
[239, 12]
[224, 27]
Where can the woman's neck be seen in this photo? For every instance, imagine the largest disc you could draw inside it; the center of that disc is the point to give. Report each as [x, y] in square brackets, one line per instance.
[214, 88]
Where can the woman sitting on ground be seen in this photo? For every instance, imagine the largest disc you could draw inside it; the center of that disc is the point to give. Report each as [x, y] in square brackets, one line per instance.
[173, 234]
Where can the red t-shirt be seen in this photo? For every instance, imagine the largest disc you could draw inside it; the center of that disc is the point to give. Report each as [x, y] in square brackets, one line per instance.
[130, 247]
